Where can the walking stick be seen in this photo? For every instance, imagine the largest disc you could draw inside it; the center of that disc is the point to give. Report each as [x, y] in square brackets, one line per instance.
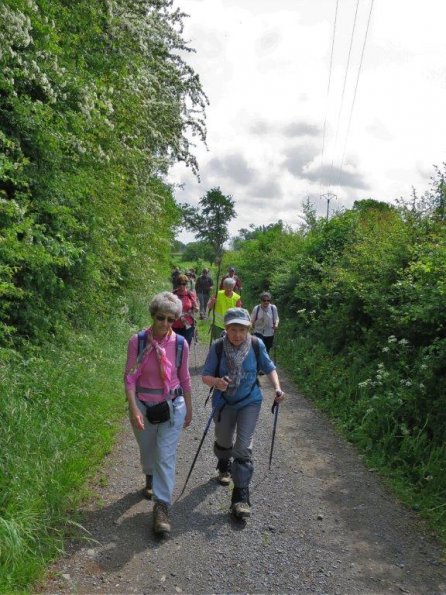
[216, 294]
[275, 346]
[195, 341]
[214, 410]
[275, 410]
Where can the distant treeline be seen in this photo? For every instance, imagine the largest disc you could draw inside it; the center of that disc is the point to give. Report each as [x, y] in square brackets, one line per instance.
[364, 298]
[96, 101]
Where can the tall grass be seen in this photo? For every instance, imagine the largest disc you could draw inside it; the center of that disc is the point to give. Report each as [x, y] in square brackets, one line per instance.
[60, 409]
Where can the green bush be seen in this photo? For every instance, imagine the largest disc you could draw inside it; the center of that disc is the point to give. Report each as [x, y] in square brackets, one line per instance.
[362, 303]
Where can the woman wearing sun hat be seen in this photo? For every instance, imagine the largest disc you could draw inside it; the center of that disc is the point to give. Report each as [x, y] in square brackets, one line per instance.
[231, 368]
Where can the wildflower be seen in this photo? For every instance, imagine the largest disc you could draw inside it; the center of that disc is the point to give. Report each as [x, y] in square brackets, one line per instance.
[392, 339]
[385, 349]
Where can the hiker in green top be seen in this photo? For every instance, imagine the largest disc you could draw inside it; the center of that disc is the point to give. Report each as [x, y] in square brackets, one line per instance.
[226, 298]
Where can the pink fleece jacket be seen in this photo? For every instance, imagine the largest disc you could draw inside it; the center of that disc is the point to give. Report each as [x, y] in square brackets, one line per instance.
[150, 377]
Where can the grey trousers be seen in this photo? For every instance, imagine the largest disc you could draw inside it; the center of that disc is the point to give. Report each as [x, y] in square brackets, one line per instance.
[238, 424]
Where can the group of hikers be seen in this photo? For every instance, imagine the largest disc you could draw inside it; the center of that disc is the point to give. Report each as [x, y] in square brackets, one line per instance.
[158, 384]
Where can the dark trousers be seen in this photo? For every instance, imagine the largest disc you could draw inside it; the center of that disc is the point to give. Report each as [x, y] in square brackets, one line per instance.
[267, 340]
[187, 333]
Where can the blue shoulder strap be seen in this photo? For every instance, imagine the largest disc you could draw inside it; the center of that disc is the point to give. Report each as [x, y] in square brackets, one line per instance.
[179, 347]
[142, 342]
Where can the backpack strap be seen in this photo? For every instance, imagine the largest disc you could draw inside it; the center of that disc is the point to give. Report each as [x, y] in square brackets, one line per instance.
[256, 347]
[272, 312]
[257, 313]
[179, 348]
[142, 342]
[218, 350]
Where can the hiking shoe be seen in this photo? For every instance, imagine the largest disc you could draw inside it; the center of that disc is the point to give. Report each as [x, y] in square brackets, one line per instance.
[240, 504]
[161, 524]
[241, 510]
[147, 492]
[224, 472]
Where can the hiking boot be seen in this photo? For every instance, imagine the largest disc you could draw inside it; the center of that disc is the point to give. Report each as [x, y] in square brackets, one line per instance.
[240, 504]
[224, 472]
[147, 492]
[161, 524]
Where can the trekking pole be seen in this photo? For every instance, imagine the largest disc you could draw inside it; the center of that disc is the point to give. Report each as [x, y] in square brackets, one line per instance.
[195, 340]
[216, 293]
[275, 346]
[214, 410]
[275, 411]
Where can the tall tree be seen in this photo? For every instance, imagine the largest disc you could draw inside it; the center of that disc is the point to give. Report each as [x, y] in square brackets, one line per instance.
[209, 221]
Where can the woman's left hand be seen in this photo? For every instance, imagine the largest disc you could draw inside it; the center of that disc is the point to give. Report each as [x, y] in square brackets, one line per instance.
[187, 419]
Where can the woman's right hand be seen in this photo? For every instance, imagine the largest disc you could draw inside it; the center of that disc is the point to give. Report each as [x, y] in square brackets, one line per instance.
[136, 418]
[221, 384]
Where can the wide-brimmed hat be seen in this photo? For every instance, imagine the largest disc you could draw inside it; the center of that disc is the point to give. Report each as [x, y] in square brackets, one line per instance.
[237, 316]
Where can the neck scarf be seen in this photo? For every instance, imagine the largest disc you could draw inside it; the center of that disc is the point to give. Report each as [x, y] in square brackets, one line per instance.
[235, 356]
[165, 366]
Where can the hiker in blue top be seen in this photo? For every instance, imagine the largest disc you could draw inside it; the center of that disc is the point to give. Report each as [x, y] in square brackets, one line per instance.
[231, 367]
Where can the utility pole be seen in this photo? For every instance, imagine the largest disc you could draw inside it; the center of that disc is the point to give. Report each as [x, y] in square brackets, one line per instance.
[328, 196]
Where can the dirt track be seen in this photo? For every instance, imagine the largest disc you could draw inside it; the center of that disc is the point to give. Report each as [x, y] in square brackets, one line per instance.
[322, 523]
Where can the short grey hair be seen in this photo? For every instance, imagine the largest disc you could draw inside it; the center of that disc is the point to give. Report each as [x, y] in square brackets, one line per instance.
[265, 294]
[228, 282]
[166, 302]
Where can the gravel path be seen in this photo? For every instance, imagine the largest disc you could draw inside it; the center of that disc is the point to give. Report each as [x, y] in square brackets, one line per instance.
[321, 523]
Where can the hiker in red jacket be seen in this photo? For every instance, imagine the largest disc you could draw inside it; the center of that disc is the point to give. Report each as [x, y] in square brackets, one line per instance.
[185, 325]
[231, 275]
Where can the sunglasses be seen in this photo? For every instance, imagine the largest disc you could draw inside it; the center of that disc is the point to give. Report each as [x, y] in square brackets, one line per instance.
[182, 283]
[161, 318]
[266, 300]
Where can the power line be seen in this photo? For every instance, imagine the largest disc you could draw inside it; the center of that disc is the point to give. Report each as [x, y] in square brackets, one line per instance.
[356, 85]
[329, 82]
[344, 85]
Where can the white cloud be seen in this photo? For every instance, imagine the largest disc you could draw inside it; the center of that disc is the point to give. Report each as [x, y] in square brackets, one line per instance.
[264, 66]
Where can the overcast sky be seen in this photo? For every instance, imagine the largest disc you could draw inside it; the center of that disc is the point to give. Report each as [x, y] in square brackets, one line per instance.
[265, 65]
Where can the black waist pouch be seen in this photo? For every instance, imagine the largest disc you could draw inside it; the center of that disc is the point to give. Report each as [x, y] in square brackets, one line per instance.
[158, 414]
